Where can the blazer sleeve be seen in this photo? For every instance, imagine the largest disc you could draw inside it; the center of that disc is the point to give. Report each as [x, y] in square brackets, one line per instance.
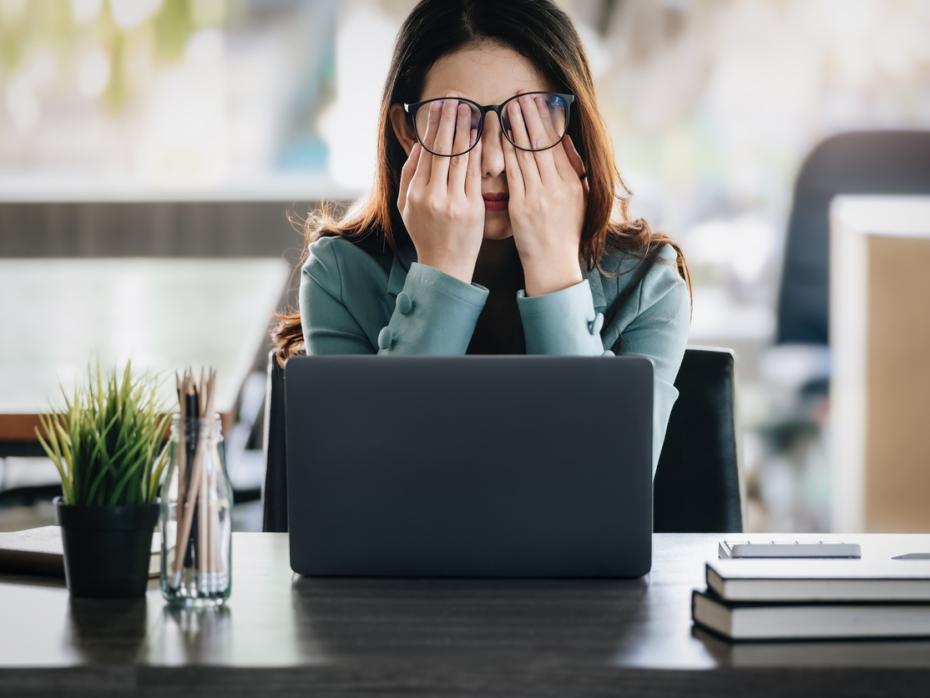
[659, 330]
[435, 313]
[561, 322]
[565, 322]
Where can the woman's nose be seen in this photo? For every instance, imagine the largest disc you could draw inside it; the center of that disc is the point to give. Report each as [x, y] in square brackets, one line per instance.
[492, 155]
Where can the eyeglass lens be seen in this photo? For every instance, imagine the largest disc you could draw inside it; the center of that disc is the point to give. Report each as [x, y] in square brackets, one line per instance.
[552, 108]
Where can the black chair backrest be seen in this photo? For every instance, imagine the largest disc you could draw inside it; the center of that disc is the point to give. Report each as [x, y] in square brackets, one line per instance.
[274, 491]
[697, 481]
[697, 486]
[866, 162]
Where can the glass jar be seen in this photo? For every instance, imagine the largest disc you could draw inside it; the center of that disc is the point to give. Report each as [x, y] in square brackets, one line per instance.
[196, 515]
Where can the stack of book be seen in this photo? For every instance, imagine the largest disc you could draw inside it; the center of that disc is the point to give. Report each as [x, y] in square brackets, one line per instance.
[768, 599]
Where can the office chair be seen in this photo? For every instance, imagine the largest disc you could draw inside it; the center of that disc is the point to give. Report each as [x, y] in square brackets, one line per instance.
[857, 162]
[697, 480]
[696, 487]
[274, 490]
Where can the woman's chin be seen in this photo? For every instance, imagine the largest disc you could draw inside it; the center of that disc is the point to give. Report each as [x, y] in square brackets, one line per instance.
[497, 231]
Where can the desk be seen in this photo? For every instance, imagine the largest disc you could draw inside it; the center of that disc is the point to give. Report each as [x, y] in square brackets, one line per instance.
[164, 313]
[282, 635]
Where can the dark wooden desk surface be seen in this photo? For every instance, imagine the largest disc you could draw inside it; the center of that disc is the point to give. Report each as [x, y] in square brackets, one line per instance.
[284, 635]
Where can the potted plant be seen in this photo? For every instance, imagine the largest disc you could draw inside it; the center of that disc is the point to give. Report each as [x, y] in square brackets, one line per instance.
[107, 446]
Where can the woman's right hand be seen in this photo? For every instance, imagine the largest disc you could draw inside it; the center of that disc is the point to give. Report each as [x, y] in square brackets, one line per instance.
[440, 198]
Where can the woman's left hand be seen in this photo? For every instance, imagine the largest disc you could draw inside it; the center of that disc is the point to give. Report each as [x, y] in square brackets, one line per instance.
[547, 199]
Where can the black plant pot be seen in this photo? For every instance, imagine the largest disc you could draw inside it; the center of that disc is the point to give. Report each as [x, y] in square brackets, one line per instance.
[107, 549]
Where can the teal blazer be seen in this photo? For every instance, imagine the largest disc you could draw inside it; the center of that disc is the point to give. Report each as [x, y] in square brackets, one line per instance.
[356, 302]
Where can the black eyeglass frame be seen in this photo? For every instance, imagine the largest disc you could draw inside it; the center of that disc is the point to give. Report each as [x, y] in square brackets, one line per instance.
[411, 109]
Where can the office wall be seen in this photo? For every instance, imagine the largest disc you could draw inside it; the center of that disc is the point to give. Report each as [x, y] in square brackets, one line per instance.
[159, 228]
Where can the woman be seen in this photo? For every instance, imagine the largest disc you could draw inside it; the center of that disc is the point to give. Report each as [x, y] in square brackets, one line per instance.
[491, 229]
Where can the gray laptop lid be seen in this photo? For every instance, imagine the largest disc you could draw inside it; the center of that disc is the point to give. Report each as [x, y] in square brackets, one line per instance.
[477, 465]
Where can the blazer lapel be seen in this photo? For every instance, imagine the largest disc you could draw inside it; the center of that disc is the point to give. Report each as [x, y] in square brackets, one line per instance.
[596, 281]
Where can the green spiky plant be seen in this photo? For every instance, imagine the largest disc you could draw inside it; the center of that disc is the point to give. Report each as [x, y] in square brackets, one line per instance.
[107, 441]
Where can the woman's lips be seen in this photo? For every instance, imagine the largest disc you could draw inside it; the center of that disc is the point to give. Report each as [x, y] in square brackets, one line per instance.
[495, 201]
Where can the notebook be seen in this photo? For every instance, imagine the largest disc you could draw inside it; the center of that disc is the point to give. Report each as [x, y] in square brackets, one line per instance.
[39, 551]
[819, 580]
[788, 621]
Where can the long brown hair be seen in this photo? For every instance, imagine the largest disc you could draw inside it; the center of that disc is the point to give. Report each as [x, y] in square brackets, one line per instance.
[538, 30]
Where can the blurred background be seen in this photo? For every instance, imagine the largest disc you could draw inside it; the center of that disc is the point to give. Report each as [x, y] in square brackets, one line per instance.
[154, 129]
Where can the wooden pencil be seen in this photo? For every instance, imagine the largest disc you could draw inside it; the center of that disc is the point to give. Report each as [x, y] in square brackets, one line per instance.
[212, 529]
[203, 524]
[193, 482]
[182, 475]
[182, 485]
[197, 490]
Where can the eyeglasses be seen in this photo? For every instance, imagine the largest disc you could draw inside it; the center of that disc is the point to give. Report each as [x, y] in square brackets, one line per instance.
[556, 106]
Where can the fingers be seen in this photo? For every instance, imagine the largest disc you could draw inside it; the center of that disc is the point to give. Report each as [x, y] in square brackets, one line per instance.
[531, 174]
[515, 185]
[473, 177]
[439, 171]
[562, 163]
[553, 129]
[574, 157]
[425, 158]
[539, 137]
[463, 138]
[433, 114]
[406, 175]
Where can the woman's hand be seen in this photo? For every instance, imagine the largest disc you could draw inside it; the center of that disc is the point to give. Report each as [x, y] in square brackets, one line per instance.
[547, 198]
[440, 197]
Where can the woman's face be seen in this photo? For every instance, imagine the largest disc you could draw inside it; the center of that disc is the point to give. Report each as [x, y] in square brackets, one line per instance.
[487, 73]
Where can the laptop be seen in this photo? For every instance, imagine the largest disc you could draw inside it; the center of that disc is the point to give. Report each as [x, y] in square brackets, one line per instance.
[469, 466]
